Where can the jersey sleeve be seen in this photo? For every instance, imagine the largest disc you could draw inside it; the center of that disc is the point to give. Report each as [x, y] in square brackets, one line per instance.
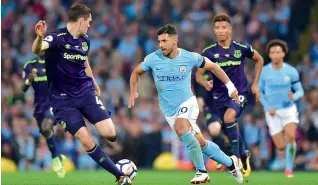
[146, 65]
[294, 76]
[198, 59]
[249, 51]
[51, 39]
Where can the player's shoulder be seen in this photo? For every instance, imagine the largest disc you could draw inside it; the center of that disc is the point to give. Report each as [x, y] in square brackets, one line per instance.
[29, 63]
[290, 67]
[240, 44]
[211, 47]
[156, 55]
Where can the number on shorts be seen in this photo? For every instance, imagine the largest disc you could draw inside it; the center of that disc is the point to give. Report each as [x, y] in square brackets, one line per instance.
[241, 98]
[99, 102]
[183, 110]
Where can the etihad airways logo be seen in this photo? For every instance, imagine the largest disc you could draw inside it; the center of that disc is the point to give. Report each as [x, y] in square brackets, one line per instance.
[76, 57]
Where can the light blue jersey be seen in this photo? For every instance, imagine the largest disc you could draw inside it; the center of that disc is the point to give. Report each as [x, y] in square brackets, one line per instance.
[172, 77]
[275, 84]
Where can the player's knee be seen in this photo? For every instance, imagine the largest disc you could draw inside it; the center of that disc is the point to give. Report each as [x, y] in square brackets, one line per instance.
[214, 128]
[47, 128]
[229, 116]
[182, 126]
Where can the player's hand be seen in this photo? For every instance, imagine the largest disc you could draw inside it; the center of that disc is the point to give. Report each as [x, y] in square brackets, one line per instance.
[290, 95]
[208, 85]
[256, 92]
[132, 98]
[272, 112]
[40, 28]
[31, 76]
[235, 97]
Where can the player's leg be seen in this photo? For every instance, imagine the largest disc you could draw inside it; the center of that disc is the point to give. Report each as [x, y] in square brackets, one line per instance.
[187, 136]
[45, 123]
[231, 114]
[214, 126]
[290, 120]
[211, 149]
[106, 129]
[231, 130]
[290, 151]
[71, 120]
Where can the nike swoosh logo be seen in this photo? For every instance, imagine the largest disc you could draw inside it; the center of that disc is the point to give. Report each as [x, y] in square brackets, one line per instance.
[158, 69]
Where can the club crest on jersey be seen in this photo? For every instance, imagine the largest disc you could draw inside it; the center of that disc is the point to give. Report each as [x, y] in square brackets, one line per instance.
[183, 69]
[84, 46]
[216, 55]
[287, 78]
[237, 53]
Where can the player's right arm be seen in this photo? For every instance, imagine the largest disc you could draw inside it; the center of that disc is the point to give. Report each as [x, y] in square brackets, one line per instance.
[134, 79]
[211, 66]
[39, 44]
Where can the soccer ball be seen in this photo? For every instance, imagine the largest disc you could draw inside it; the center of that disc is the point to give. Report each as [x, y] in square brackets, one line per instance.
[128, 167]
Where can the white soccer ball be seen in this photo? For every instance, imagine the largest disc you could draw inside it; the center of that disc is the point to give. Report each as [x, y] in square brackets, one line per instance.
[128, 167]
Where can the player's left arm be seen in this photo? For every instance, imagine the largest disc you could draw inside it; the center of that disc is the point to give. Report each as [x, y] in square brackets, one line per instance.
[207, 64]
[296, 84]
[89, 73]
[253, 54]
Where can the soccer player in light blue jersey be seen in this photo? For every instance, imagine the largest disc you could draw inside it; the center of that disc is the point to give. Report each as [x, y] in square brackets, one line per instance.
[171, 68]
[277, 81]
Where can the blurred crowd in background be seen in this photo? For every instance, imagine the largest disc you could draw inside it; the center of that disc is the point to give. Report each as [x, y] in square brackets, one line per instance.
[122, 33]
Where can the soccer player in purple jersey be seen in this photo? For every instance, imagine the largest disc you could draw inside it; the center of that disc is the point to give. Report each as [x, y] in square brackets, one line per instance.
[230, 55]
[34, 74]
[72, 88]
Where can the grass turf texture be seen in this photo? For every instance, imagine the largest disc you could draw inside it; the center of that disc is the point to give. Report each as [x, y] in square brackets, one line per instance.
[152, 177]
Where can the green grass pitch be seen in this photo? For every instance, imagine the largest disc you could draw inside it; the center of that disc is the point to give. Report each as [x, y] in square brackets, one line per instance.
[152, 177]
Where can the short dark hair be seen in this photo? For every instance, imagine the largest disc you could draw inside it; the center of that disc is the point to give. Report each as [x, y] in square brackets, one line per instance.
[167, 29]
[78, 10]
[222, 17]
[277, 42]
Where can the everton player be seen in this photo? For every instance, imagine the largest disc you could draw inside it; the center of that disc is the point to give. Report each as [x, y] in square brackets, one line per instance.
[34, 74]
[230, 55]
[72, 88]
[171, 68]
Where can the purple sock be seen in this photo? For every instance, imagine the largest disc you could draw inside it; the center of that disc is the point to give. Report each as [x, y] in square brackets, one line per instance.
[104, 161]
[243, 153]
[51, 143]
[232, 133]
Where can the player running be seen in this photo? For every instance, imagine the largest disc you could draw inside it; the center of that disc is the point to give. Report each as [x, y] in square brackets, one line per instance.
[229, 55]
[72, 88]
[277, 81]
[171, 68]
[35, 74]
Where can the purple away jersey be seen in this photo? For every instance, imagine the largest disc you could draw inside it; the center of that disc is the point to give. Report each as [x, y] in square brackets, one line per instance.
[65, 64]
[39, 84]
[231, 60]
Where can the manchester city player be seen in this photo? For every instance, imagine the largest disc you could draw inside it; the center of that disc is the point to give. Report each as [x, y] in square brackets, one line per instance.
[277, 81]
[34, 74]
[171, 68]
[72, 88]
[230, 55]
